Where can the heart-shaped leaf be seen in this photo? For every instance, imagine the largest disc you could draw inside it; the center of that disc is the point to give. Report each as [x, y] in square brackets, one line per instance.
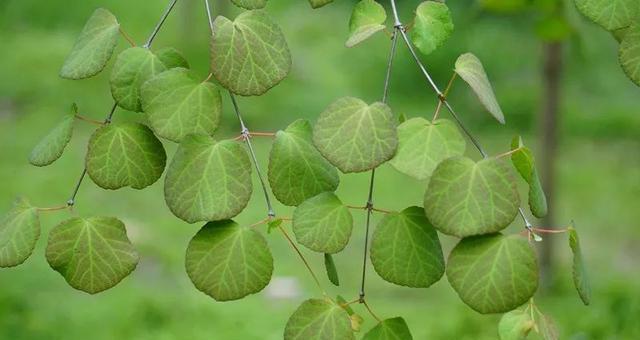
[323, 224]
[332, 271]
[610, 14]
[319, 319]
[125, 154]
[524, 162]
[354, 136]
[172, 58]
[469, 68]
[208, 180]
[580, 277]
[367, 18]
[250, 4]
[629, 53]
[432, 26]
[92, 254]
[51, 147]
[515, 325]
[19, 232]
[177, 104]
[389, 329]
[228, 262]
[297, 171]
[133, 67]
[493, 273]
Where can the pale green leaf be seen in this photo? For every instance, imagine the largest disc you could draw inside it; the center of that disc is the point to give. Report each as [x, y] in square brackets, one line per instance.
[547, 328]
[51, 147]
[405, 249]
[629, 53]
[94, 46]
[133, 67]
[319, 3]
[367, 18]
[343, 302]
[580, 277]
[323, 224]
[319, 319]
[469, 68]
[297, 171]
[432, 26]
[208, 181]
[422, 145]
[515, 325]
[356, 322]
[93, 254]
[332, 271]
[178, 104]
[125, 154]
[249, 55]
[172, 58]
[389, 329]
[250, 4]
[493, 273]
[229, 262]
[19, 232]
[466, 198]
[524, 162]
[354, 136]
[610, 14]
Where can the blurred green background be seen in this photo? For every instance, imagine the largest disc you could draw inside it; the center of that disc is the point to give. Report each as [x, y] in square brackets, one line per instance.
[598, 171]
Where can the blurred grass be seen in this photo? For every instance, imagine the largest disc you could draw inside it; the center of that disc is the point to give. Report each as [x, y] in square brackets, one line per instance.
[598, 172]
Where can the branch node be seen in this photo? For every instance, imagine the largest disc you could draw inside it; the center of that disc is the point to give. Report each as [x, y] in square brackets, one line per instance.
[70, 203]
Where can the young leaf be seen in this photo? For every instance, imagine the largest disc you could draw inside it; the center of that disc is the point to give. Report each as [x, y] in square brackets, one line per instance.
[319, 3]
[208, 181]
[432, 26]
[547, 328]
[228, 262]
[125, 154]
[629, 53]
[515, 325]
[389, 329]
[177, 104]
[249, 55]
[344, 304]
[367, 18]
[132, 68]
[93, 254]
[524, 162]
[274, 224]
[172, 58]
[469, 68]
[610, 14]
[493, 273]
[332, 271]
[323, 224]
[356, 322]
[297, 171]
[354, 136]
[51, 147]
[19, 232]
[405, 249]
[250, 4]
[422, 145]
[580, 277]
[466, 198]
[94, 46]
[319, 319]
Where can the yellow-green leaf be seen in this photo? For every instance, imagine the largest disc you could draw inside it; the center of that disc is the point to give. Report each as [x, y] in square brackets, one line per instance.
[319, 319]
[133, 67]
[580, 277]
[51, 147]
[515, 325]
[367, 19]
[432, 26]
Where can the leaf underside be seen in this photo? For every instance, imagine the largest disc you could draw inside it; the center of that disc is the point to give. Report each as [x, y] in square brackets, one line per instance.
[524, 162]
[610, 14]
[580, 277]
[629, 53]
[432, 26]
[319, 3]
[367, 18]
[19, 232]
[133, 67]
[515, 325]
[389, 329]
[469, 68]
[319, 319]
[51, 147]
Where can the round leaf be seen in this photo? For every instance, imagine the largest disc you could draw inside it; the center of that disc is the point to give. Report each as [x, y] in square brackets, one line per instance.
[323, 224]
[580, 277]
[92, 254]
[250, 4]
[132, 68]
[319, 319]
[493, 273]
[354, 136]
[389, 329]
[51, 147]
[465, 198]
[432, 26]
[469, 67]
[125, 154]
[177, 104]
[228, 262]
[297, 171]
[515, 325]
[208, 181]
[406, 250]
[249, 55]
[19, 232]
[610, 14]
[422, 145]
[367, 18]
[629, 53]
[172, 58]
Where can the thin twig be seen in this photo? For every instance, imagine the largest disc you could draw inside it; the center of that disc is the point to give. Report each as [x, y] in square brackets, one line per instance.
[160, 23]
[127, 37]
[508, 153]
[62, 207]
[364, 302]
[549, 231]
[304, 260]
[88, 120]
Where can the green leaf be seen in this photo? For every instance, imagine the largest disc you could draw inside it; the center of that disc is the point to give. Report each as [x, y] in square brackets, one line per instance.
[93, 254]
[319, 3]
[354, 136]
[432, 26]
[208, 181]
[580, 277]
[524, 162]
[493, 273]
[133, 67]
[332, 271]
[610, 14]
[250, 4]
[629, 53]
[19, 232]
[367, 18]
[297, 171]
[94, 46]
[318, 319]
[405, 249]
[125, 154]
[515, 325]
[172, 58]
[323, 224]
[465, 198]
[344, 304]
[547, 328]
[469, 68]
[51, 147]
[389, 329]
[423, 145]
[274, 224]
[356, 322]
[249, 55]
[228, 262]
[177, 104]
